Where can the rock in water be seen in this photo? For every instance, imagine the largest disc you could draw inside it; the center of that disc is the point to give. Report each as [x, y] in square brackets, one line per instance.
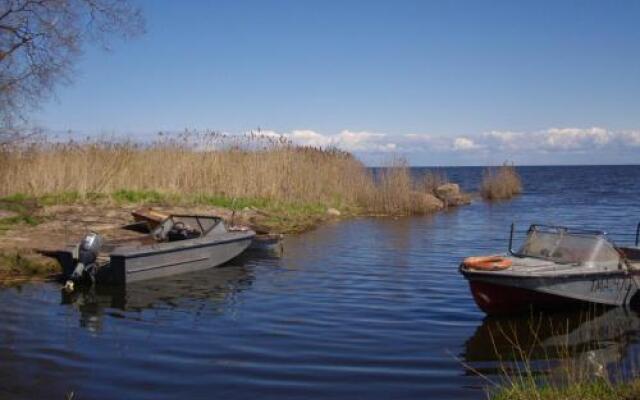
[451, 196]
[448, 190]
[426, 202]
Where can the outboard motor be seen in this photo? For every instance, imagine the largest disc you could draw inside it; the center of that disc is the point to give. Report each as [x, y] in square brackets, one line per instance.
[88, 251]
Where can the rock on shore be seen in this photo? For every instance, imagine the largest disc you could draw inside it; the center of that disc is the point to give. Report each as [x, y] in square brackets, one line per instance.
[426, 202]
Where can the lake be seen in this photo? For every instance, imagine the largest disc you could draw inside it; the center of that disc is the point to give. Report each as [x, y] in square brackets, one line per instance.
[368, 308]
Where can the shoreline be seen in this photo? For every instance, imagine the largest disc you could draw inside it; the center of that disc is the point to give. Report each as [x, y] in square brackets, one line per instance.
[30, 224]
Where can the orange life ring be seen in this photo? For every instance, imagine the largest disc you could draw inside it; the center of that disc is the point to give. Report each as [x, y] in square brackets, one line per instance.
[487, 263]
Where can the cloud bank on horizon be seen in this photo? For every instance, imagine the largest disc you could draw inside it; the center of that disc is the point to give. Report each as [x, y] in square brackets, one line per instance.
[593, 145]
[552, 146]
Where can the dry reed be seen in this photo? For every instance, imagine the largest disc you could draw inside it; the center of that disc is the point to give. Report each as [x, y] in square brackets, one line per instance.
[207, 164]
[432, 180]
[500, 183]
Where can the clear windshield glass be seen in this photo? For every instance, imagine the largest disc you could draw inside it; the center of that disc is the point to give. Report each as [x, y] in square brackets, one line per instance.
[208, 222]
[567, 247]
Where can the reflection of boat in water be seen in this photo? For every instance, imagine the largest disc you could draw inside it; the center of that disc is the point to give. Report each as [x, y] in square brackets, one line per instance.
[214, 288]
[586, 340]
[555, 266]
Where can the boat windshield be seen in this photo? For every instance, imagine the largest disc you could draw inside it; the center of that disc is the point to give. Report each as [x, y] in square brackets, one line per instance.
[563, 246]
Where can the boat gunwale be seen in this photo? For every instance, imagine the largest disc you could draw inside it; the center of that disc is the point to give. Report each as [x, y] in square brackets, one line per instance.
[468, 273]
[180, 245]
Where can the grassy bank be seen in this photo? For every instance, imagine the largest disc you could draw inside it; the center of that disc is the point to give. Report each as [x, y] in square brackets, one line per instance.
[275, 216]
[210, 168]
[264, 182]
[598, 389]
[19, 265]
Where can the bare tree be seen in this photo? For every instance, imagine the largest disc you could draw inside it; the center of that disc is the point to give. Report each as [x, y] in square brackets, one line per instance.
[41, 39]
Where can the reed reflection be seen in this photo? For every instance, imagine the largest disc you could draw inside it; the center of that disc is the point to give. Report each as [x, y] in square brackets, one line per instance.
[561, 346]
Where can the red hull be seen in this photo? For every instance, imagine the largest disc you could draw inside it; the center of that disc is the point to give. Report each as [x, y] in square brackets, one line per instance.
[498, 299]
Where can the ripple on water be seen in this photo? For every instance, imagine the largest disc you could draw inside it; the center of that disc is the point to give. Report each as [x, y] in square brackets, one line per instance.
[365, 308]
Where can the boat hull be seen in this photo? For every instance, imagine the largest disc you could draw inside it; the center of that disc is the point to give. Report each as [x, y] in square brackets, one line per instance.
[501, 294]
[159, 262]
[496, 299]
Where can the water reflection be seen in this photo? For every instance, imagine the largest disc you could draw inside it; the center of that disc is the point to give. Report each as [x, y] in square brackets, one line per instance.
[593, 341]
[215, 289]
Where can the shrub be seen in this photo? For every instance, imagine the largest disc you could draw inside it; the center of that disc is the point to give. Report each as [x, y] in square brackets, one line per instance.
[500, 183]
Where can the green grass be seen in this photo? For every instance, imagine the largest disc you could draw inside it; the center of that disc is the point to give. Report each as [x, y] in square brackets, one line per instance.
[20, 219]
[26, 264]
[124, 196]
[69, 198]
[293, 217]
[230, 203]
[275, 216]
[596, 389]
[23, 207]
[16, 198]
[17, 203]
[138, 196]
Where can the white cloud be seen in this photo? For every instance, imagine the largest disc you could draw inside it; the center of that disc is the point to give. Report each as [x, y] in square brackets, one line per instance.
[630, 138]
[356, 141]
[464, 144]
[575, 138]
[554, 145]
[504, 140]
[362, 140]
[553, 142]
[308, 137]
[417, 137]
[557, 139]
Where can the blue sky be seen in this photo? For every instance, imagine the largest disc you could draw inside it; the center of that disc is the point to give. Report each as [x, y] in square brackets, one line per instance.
[443, 83]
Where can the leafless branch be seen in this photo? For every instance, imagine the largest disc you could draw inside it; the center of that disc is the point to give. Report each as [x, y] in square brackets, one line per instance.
[41, 39]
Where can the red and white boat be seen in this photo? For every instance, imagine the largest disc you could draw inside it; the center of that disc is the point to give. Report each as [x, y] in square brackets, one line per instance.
[555, 266]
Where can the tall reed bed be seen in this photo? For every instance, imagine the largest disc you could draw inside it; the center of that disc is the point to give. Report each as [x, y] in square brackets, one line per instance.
[202, 165]
[500, 183]
[398, 192]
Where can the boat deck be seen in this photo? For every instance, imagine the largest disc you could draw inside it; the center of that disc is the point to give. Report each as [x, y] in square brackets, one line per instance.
[534, 267]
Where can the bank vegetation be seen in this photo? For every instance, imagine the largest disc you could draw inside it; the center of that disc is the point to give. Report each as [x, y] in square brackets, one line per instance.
[500, 183]
[51, 191]
[211, 168]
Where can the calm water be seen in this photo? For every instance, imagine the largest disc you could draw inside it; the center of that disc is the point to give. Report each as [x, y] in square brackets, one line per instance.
[361, 309]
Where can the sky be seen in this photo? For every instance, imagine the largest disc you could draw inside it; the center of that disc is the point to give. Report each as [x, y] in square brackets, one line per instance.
[437, 82]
